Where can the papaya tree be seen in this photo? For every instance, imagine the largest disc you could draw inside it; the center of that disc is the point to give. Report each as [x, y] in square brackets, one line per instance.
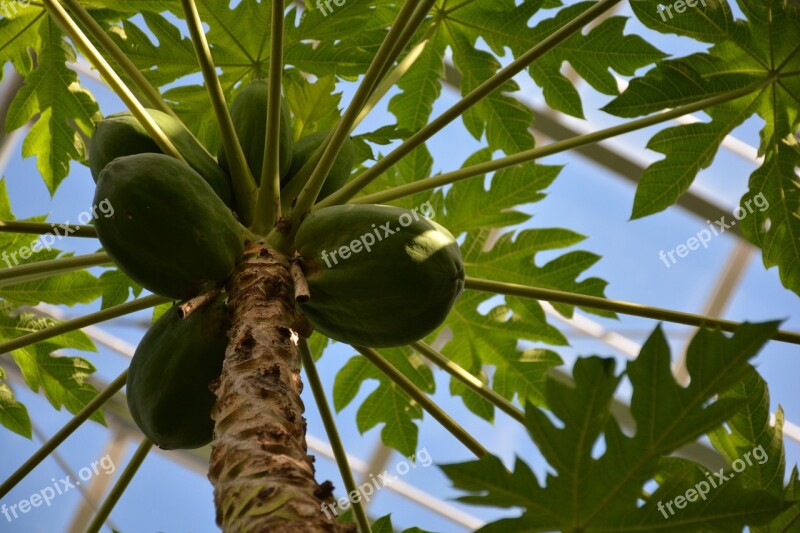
[245, 195]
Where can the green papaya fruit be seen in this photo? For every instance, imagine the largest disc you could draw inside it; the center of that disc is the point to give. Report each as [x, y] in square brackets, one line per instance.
[378, 275]
[168, 378]
[169, 232]
[249, 115]
[121, 134]
[342, 166]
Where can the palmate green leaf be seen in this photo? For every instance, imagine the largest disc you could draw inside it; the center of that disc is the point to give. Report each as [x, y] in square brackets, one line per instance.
[233, 48]
[469, 206]
[325, 43]
[504, 120]
[66, 111]
[13, 415]
[417, 165]
[70, 288]
[62, 378]
[190, 102]
[383, 135]
[674, 83]
[383, 525]
[761, 52]
[314, 106]
[517, 375]
[117, 288]
[591, 492]
[689, 149]
[472, 400]
[149, 56]
[340, 59]
[242, 54]
[491, 339]
[387, 404]
[16, 325]
[512, 260]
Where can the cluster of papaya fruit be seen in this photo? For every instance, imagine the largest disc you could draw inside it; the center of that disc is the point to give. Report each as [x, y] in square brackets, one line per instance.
[175, 232]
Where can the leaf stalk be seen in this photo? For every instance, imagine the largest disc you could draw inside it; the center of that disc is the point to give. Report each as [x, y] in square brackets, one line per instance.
[44, 228]
[51, 267]
[244, 185]
[119, 487]
[268, 205]
[329, 422]
[626, 308]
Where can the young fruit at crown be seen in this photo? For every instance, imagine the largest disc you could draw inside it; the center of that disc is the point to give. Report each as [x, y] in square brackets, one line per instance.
[168, 379]
[378, 275]
[342, 166]
[169, 232]
[249, 115]
[121, 134]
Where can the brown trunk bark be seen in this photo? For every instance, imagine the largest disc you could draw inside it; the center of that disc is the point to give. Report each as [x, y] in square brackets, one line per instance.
[262, 474]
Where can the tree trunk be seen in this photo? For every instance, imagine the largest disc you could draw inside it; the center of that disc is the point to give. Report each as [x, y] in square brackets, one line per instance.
[262, 474]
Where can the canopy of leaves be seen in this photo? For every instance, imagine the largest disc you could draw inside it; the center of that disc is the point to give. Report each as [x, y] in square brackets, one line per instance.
[327, 48]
